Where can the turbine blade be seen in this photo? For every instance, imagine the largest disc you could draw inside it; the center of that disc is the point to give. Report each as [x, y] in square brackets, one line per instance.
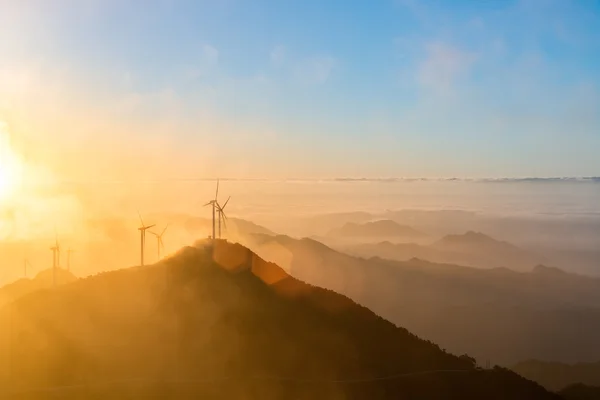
[149, 226]
[217, 192]
[162, 244]
[154, 233]
[140, 215]
[209, 203]
[164, 230]
[224, 222]
[225, 205]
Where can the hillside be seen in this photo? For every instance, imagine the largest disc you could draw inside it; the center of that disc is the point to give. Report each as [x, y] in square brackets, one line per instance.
[42, 280]
[377, 229]
[407, 251]
[580, 392]
[224, 324]
[478, 245]
[496, 314]
[557, 376]
[471, 249]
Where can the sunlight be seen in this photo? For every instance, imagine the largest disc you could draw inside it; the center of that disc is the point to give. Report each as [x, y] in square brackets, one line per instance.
[10, 166]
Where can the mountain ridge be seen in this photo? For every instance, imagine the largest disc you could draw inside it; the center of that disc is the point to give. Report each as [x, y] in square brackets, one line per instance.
[473, 249]
[211, 313]
[504, 315]
[557, 375]
[42, 280]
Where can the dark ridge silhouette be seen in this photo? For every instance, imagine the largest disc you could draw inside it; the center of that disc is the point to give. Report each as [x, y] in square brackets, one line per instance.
[223, 323]
[377, 229]
[580, 392]
[496, 314]
[556, 376]
[42, 280]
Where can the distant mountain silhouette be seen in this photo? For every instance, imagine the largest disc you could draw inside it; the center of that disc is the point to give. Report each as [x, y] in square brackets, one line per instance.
[42, 280]
[224, 324]
[245, 227]
[321, 224]
[471, 249]
[556, 376]
[570, 244]
[234, 228]
[478, 244]
[377, 229]
[496, 314]
[580, 392]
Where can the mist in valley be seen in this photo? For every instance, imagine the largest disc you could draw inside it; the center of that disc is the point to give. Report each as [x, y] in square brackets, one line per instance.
[250, 200]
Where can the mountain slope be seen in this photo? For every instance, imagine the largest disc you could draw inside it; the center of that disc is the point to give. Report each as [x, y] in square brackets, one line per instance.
[495, 314]
[225, 325]
[556, 376]
[580, 392]
[483, 247]
[42, 280]
[471, 249]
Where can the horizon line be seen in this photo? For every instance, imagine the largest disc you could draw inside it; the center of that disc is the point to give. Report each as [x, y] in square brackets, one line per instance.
[341, 179]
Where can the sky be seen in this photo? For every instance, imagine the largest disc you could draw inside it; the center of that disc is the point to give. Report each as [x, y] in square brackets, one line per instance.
[95, 90]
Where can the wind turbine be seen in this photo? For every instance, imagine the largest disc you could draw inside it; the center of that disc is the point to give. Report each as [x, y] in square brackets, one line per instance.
[55, 259]
[25, 264]
[214, 205]
[221, 211]
[159, 240]
[143, 230]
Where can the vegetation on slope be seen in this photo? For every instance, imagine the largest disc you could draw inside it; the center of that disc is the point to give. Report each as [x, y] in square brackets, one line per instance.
[44, 279]
[224, 324]
[495, 314]
[580, 392]
[557, 376]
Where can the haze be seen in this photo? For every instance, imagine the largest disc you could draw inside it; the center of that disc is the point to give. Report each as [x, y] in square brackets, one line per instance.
[434, 161]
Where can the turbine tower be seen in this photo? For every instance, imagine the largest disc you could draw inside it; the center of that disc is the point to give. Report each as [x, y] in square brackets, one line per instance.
[55, 260]
[143, 230]
[221, 211]
[214, 205]
[159, 241]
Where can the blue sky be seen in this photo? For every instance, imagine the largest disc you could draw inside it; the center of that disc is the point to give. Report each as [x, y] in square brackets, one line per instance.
[305, 88]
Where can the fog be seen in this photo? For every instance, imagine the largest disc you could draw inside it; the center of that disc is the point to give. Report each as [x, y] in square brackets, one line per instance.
[99, 220]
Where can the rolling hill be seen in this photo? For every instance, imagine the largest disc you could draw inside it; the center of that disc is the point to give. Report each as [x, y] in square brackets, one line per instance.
[223, 323]
[580, 392]
[472, 249]
[497, 314]
[557, 376]
[42, 280]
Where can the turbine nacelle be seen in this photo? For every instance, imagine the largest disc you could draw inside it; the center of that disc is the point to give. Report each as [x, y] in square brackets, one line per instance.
[159, 238]
[143, 230]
